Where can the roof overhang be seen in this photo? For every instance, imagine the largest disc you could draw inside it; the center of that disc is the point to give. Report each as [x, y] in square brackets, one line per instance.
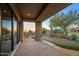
[38, 11]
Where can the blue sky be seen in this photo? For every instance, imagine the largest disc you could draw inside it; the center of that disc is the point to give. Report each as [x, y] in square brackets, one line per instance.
[7, 24]
[74, 6]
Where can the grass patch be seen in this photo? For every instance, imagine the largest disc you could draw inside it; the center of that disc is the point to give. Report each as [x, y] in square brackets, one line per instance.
[72, 47]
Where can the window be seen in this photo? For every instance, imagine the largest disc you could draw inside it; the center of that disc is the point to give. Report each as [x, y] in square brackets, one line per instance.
[9, 29]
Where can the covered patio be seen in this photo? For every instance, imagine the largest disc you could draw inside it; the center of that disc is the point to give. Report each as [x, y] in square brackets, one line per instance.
[35, 12]
[16, 14]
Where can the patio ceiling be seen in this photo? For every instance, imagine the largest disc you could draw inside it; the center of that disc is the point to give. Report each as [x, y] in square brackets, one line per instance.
[36, 11]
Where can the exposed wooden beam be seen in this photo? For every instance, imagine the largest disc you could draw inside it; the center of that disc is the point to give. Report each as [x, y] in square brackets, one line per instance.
[14, 10]
[50, 10]
[27, 19]
[43, 8]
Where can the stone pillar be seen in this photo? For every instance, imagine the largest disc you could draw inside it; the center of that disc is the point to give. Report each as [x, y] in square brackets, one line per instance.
[38, 31]
[21, 32]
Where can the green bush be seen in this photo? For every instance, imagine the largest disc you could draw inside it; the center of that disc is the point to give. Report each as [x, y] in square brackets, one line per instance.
[44, 31]
[29, 34]
[73, 37]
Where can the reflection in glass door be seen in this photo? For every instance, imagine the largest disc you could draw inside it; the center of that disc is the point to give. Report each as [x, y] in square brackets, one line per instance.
[15, 31]
[0, 31]
[9, 29]
[6, 30]
[6, 36]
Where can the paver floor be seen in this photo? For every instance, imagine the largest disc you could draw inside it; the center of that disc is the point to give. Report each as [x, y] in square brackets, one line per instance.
[30, 47]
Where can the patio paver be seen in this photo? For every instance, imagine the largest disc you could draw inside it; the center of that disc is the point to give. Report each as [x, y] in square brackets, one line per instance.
[30, 47]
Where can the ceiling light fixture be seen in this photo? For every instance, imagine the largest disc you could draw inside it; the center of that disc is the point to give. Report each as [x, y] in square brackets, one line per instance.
[4, 11]
[28, 14]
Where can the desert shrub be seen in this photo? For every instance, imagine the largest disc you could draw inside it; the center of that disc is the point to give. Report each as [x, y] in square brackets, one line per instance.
[29, 34]
[44, 31]
[73, 37]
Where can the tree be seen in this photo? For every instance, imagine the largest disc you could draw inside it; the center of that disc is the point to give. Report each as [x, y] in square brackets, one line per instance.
[5, 31]
[31, 33]
[63, 20]
[28, 33]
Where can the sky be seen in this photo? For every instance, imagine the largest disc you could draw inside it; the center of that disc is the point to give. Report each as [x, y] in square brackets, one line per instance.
[7, 24]
[29, 25]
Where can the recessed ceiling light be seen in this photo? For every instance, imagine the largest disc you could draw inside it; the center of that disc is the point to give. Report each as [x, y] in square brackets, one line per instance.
[4, 11]
[28, 14]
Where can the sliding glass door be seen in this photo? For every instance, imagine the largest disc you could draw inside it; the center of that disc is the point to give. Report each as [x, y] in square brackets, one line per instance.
[0, 31]
[6, 28]
[9, 29]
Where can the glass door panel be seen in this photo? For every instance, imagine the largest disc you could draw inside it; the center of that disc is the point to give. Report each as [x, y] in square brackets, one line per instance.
[0, 31]
[15, 31]
[6, 28]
